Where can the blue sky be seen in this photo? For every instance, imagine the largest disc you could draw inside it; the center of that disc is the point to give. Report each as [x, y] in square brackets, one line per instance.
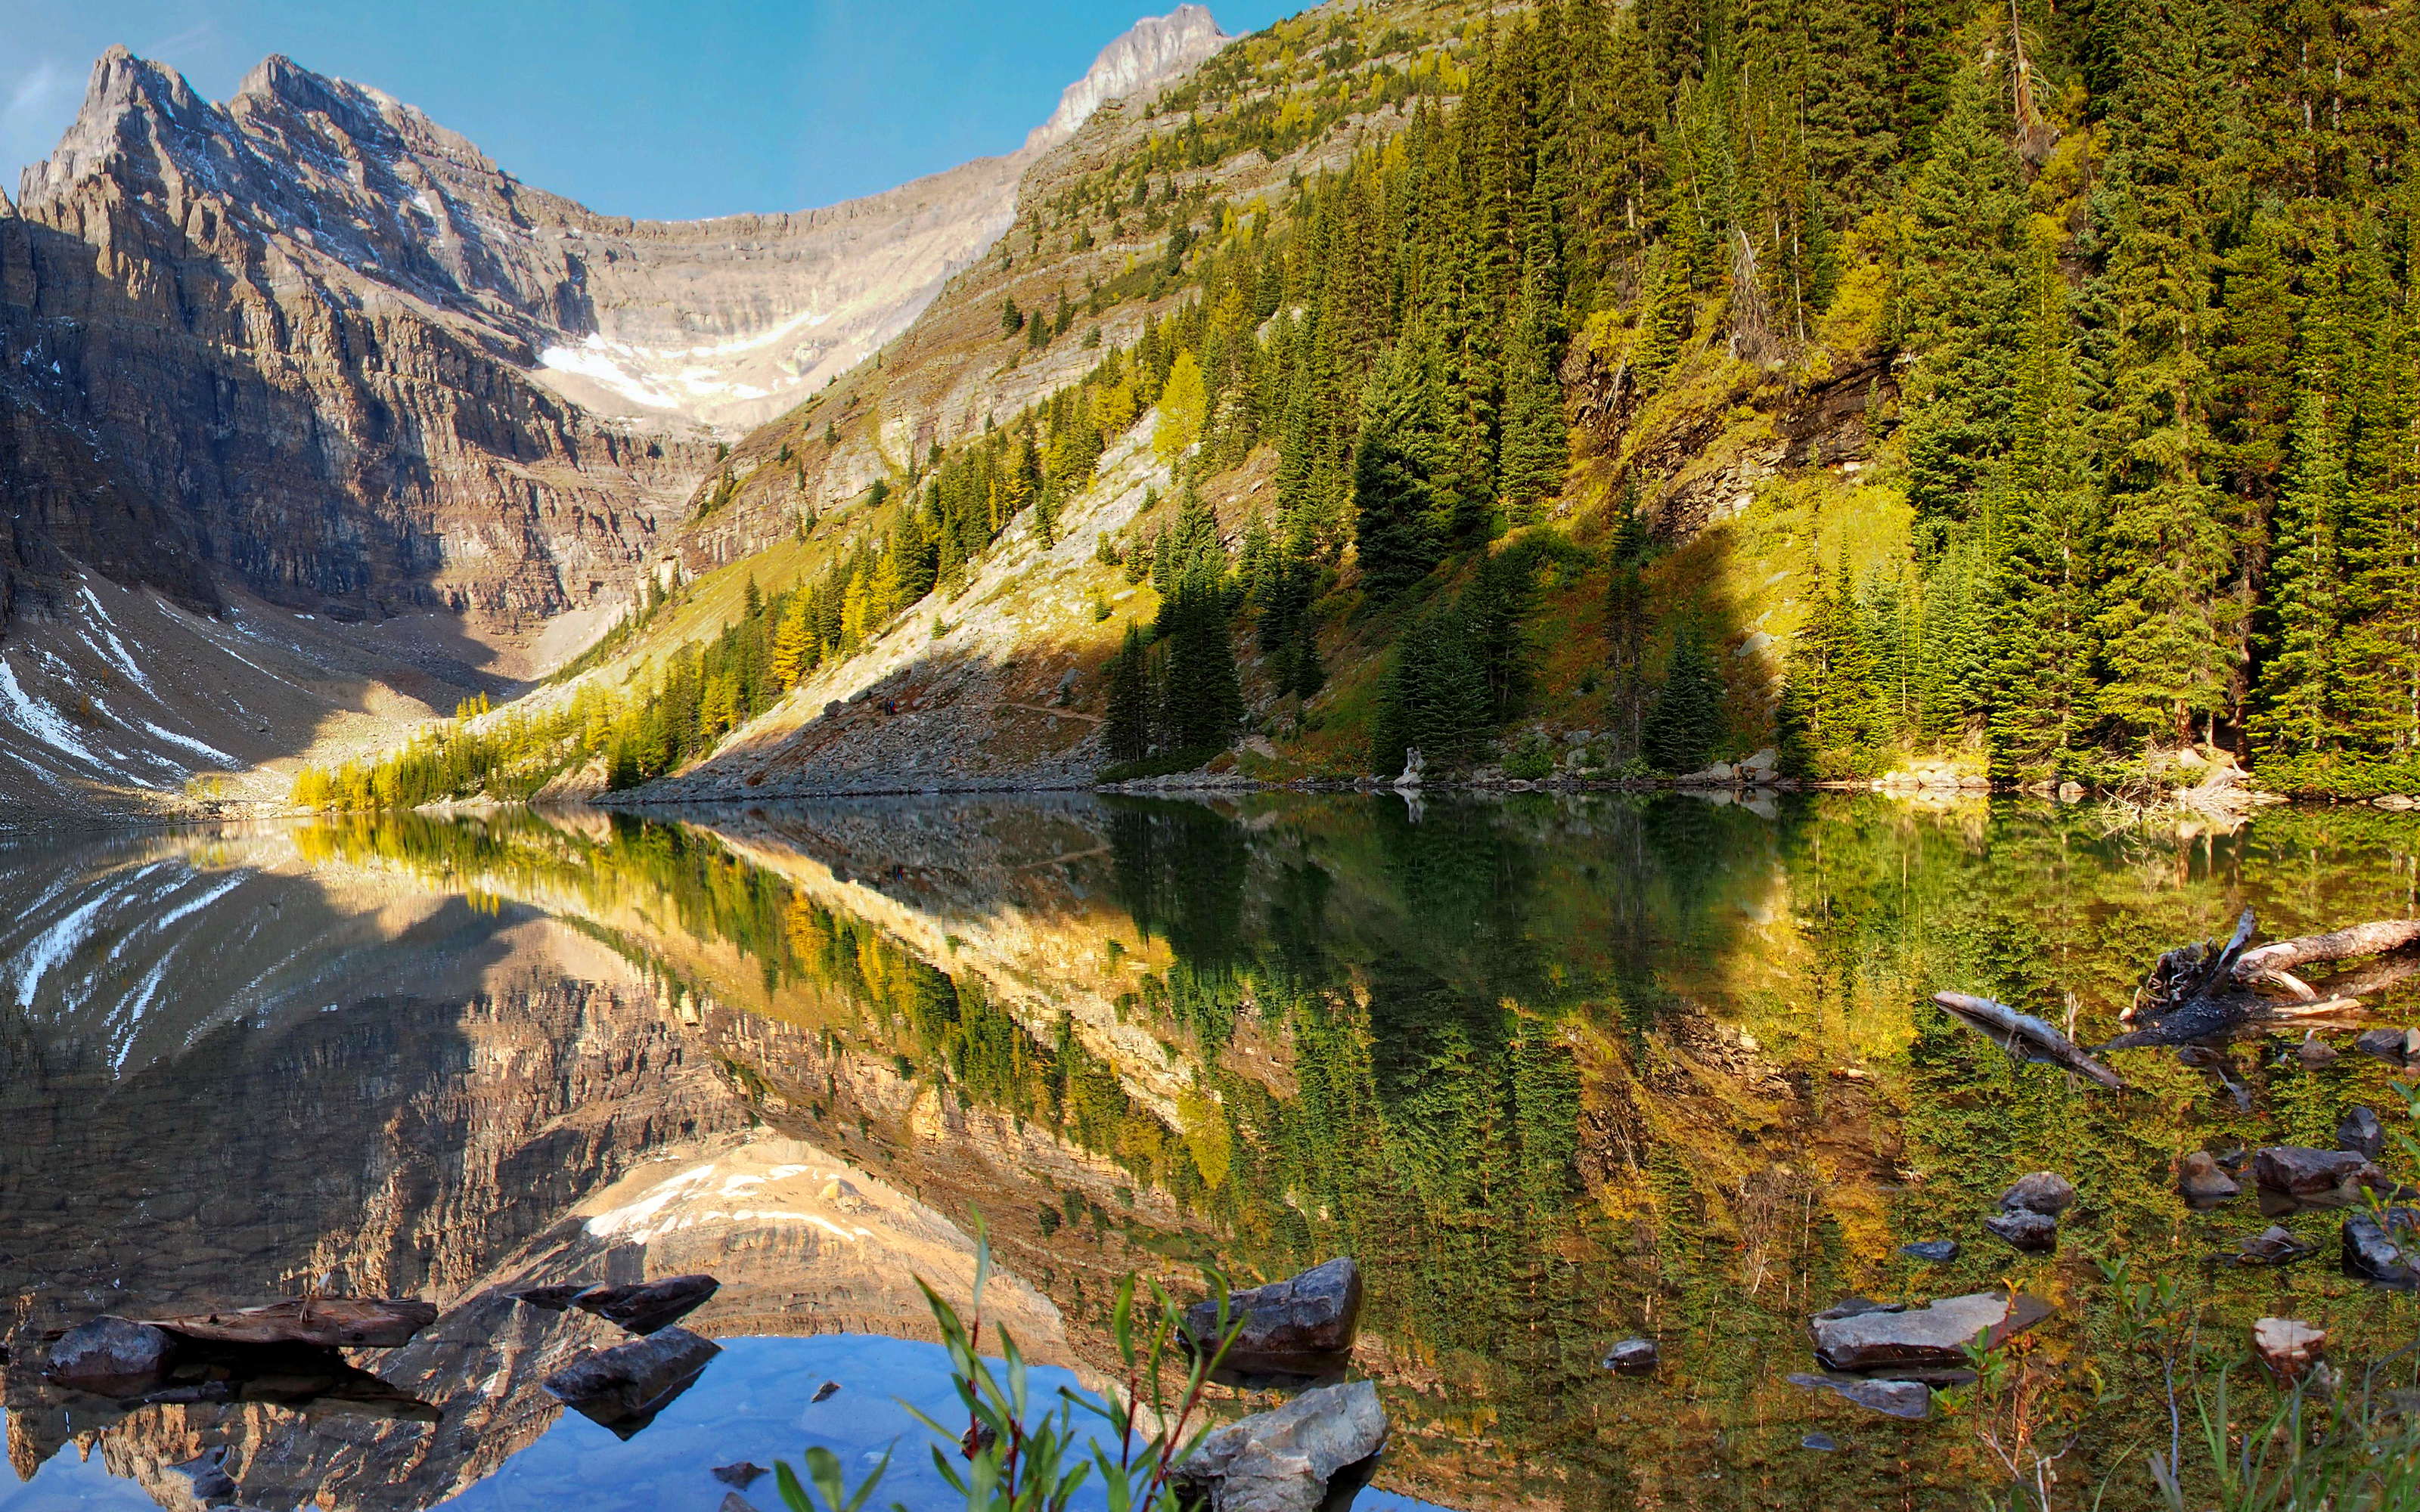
[660, 111]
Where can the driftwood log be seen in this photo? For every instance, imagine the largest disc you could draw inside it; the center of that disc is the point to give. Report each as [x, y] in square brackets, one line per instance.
[2211, 989]
[2022, 1034]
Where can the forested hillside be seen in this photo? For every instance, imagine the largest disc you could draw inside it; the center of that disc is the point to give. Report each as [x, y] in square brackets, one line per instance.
[2029, 387]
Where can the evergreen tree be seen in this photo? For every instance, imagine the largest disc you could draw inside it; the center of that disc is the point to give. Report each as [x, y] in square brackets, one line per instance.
[1125, 734]
[1688, 721]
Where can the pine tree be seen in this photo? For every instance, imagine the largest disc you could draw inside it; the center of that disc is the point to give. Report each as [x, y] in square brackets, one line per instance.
[1687, 720]
[1125, 734]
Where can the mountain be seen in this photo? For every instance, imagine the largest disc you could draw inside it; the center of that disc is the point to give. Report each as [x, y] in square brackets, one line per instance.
[310, 360]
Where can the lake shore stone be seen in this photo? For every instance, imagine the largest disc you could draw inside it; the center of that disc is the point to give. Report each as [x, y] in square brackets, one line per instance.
[2386, 1044]
[647, 1308]
[1310, 1453]
[1910, 1400]
[2273, 1245]
[2200, 1179]
[1633, 1357]
[1932, 1251]
[2371, 1251]
[2300, 1171]
[110, 1355]
[1935, 1336]
[2036, 1233]
[624, 1387]
[1303, 1325]
[2289, 1347]
[2360, 1133]
[2043, 1192]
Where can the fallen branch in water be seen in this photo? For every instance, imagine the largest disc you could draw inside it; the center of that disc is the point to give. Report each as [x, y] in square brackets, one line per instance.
[2382, 938]
[2024, 1034]
[2202, 990]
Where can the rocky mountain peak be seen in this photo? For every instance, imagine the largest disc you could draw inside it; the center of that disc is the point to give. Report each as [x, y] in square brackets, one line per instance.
[128, 101]
[1155, 51]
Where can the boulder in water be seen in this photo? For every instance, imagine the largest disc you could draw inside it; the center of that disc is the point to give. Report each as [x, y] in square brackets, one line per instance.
[2273, 1245]
[1932, 1251]
[2360, 1133]
[1302, 1326]
[1910, 1399]
[1313, 1453]
[2299, 1171]
[655, 1305]
[2043, 1192]
[2287, 1346]
[1933, 1337]
[2201, 1181]
[623, 1388]
[2386, 1044]
[111, 1356]
[2371, 1251]
[324, 1323]
[2036, 1233]
[1633, 1357]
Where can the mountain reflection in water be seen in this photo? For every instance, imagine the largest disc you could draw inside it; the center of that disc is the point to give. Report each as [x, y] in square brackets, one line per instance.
[1557, 1072]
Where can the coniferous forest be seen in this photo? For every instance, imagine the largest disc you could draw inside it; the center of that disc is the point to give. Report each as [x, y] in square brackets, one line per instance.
[2128, 282]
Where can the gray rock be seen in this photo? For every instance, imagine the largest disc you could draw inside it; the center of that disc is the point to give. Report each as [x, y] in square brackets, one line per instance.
[1935, 1336]
[1633, 1357]
[1858, 1307]
[2315, 1051]
[645, 1308]
[2386, 1044]
[550, 1299]
[624, 1387]
[1303, 1325]
[1910, 1399]
[2043, 1192]
[2299, 1171]
[2200, 1179]
[1297, 1458]
[2273, 1245]
[1932, 1251]
[734, 1501]
[742, 1474]
[2360, 1133]
[1822, 1443]
[110, 1355]
[2036, 1233]
[2371, 1251]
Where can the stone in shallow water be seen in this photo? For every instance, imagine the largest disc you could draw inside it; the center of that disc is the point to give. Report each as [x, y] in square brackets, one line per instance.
[2036, 1233]
[550, 1299]
[2287, 1346]
[1858, 1307]
[2360, 1133]
[1303, 1325]
[1910, 1400]
[326, 1322]
[2371, 1251]
[110, 1355]
[2386, 1044]
[2273, 1245]
[1924, 1336]
[1932, 1251]
[1819, 1443]
[1633, 1357]
[824, 1392]
[1312, 1453]
[2201, 1181]
[2045, 1192]
[645, 1308]
[2298, 1171]
[742, 1474]
[2315, 1051]
[623, 1388]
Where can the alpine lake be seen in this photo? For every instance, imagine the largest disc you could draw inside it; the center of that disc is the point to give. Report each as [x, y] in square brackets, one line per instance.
[1556, 1070]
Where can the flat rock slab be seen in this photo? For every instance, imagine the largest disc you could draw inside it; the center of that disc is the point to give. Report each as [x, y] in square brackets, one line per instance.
[1312, 1453]
[656, 1304]
[1303, 1325]
[623, 1388]
[329, 1322]
[2299, 1171]
[1933, 1337]
[1910, 1400]
[1932, 1251]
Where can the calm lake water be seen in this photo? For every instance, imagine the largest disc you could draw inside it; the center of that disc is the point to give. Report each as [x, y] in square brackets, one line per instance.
[1556, 1074]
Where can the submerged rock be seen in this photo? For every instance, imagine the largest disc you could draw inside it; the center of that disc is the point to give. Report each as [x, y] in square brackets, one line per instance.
[2200, 1179]
[2043, 1192]
[823, 1392]
[1910, 1399]
[1858, 1307]
[1303, 1325]
[2371, 1251]
[2299, 1171]
[550, 1299]
[2274, 1245]
[1822, 1443]
[110, 1355]
[1633, 1357]
[2315, 1051]
[623, 1388]
[1932, 1336]
[1311, 1453]
[2386, 1044]
[1932, 1251]
[2360, 1133]
[2036, 1233]
[645, 1308]
[742, 1474]
[2286, 1346]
